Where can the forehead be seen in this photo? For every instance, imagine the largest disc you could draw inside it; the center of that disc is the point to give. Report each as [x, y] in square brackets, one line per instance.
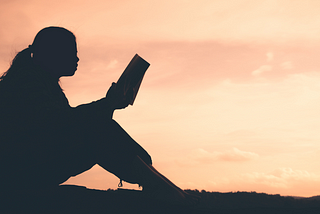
[66, 46]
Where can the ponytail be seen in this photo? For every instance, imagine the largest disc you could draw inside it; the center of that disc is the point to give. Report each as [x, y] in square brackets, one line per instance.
[20, 62]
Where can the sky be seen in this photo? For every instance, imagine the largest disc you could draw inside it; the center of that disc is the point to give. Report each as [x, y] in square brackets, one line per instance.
[231, 100]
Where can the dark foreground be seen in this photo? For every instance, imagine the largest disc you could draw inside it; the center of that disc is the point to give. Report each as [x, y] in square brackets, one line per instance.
[75, 199]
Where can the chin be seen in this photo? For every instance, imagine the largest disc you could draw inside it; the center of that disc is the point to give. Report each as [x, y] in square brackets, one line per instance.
[69, 74]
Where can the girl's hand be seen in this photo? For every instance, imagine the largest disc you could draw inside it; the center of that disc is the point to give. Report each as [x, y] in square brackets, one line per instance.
[116, 98]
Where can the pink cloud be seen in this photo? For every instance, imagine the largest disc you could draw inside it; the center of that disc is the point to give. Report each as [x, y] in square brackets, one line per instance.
[261, 69]
[235, 155]
[287, 65]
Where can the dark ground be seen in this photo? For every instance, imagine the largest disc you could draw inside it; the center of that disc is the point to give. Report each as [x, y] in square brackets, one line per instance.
[76, 199]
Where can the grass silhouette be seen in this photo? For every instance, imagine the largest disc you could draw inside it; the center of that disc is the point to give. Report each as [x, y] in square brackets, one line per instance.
[76, 199]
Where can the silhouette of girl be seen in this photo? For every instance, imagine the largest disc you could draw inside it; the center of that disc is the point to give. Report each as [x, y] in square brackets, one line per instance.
[45, 141]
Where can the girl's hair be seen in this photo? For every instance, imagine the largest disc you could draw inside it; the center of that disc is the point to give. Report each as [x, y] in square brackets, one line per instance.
[47, 40]
[20, 61]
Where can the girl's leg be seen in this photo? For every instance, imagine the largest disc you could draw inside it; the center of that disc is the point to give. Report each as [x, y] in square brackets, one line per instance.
[116, 152]
[158, 186]
[130, 162]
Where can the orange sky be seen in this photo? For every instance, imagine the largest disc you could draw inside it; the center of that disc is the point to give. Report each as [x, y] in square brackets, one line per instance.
[231, 99]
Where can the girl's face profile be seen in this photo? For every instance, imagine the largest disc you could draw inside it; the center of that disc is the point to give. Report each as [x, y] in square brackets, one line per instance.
[65, 59]
[60, 59]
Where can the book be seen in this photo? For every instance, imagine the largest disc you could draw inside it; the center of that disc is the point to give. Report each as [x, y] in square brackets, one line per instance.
[130, 80]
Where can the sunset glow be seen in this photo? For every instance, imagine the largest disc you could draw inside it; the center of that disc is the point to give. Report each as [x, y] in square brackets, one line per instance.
[231, 101]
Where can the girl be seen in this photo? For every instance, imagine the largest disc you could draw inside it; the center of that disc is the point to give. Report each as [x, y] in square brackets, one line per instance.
[45, 141]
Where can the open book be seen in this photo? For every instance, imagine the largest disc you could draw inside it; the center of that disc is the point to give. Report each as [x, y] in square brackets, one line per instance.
[130, 80]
